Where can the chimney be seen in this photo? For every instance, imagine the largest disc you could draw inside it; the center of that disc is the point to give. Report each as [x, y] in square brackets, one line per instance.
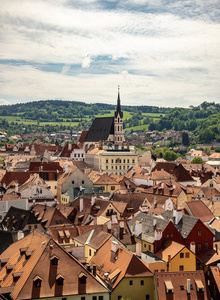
[94, 270]
[162, 185]
[114, 246]
[157, 234]
[128, 146]
[109, 227]
[188, 286]
[69, 147]
[100, 145]
[121, 230]
[154, 223]
[177, 215]
[218, 265]
[93, 200]
[88, 267]
[16, 187]
[138, 228]
[193, 247]
[95, 221]
[138, 249]
[81, 204]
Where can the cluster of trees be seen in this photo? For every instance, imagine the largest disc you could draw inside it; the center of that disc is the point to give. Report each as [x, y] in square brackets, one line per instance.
[203, 120]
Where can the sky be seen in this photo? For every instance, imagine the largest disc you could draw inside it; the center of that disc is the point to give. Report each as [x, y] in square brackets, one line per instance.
[161, 52]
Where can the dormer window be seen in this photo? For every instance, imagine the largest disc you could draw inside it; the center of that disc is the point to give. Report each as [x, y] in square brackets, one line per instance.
[82, 278]
[4, 261]
[169, 287]
[59, 280]
[199, 286]
[54, 260]
[37, 281]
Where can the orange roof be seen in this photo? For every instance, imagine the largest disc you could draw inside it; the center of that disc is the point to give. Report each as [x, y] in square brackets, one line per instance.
[106, 180]
[126, 263]
[39, 266]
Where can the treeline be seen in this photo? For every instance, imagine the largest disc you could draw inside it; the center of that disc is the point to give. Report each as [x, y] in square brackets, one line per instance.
[58, 111]
[203, 121]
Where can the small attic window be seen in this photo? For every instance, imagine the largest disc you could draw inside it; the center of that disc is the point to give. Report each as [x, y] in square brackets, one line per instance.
[23, 250]
[28, 254]
[54, 260]
[59, 280]
[10, 268]
[4, 261]
[82, 278]
[37, 281]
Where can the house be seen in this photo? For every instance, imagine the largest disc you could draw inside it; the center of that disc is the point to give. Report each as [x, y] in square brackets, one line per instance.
[18, 219]
[213, 279]
[140, 176]
[199, 210]
[177, 257]
[197, 153]
[108, 184]
[124, 273]
[36, 267]
[177, 170]
[72, 177]
[173, 190]
[181, 285]
[72, 151]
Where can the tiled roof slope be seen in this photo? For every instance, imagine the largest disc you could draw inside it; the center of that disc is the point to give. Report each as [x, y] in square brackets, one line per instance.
[100, 129]
[127, 264]
[177, 279]
[200, 210]
[30, 258]
[177, 170]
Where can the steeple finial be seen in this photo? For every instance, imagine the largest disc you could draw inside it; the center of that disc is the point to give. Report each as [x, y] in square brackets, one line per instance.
[118, 110]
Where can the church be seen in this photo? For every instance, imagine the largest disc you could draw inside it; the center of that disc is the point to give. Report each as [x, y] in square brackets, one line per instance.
[107, 130]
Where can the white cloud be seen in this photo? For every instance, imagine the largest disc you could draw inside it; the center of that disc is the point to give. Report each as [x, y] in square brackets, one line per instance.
[152, 54]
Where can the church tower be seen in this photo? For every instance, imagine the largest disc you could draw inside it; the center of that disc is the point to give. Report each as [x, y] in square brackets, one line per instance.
[118, 123]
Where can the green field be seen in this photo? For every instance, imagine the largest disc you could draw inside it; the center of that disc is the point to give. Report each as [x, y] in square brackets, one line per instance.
[68, 122]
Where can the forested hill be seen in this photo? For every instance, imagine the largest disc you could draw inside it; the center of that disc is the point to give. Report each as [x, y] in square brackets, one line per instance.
[202, 120]
[54, 110]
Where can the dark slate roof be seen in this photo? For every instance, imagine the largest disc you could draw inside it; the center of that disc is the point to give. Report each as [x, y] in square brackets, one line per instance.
[17, 219]
[148, 230]
[100, 129]
[5, 240]
[185, 225]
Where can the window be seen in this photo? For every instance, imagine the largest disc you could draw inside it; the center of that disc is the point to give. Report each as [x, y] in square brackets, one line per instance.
[60, 281]
[112, 161]
[149, 247]
[199, 233]
[106, 161]
[29, 227]
[35, 226]
[106, 167]
[206, 245]
[73, 182]
[37, 283]
[198, 246]
[128, 161]
[124, 161]
[181, 255]
[100, 297]
[132, 161]
[187, 255]
[147, 297]
[181, 287]
[119, 297]
[112, 187]
[83, 298]
[94, 297]
[142, 282]
[131, 282]
[181, 268]
[90, 252]
[82, 280]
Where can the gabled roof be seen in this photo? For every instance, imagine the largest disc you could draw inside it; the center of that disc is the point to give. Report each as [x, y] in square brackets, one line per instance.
[38, 266]
[17, 218]
[169, 248]
[38, 166]
[67, 150]
[20, 177]
[100, 129]
[126, 264]
[178, 282]
[50, 216]
[178, 171]
[200, 210]
[105, 180]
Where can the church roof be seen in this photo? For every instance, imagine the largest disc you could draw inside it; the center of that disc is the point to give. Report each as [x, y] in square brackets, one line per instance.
[100, 129]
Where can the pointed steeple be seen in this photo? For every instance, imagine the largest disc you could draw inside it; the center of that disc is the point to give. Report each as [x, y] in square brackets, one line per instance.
[118, 110]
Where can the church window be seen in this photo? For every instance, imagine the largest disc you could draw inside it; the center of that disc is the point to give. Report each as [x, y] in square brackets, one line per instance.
[118, 119]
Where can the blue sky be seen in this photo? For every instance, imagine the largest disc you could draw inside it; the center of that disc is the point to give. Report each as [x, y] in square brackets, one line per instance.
[160, 52]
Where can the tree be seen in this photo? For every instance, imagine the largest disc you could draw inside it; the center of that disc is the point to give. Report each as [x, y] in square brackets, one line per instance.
[185, 138]
[197, 160]
[206, 135]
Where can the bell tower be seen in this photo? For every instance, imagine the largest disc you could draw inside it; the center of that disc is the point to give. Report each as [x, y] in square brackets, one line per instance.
[118, 122]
